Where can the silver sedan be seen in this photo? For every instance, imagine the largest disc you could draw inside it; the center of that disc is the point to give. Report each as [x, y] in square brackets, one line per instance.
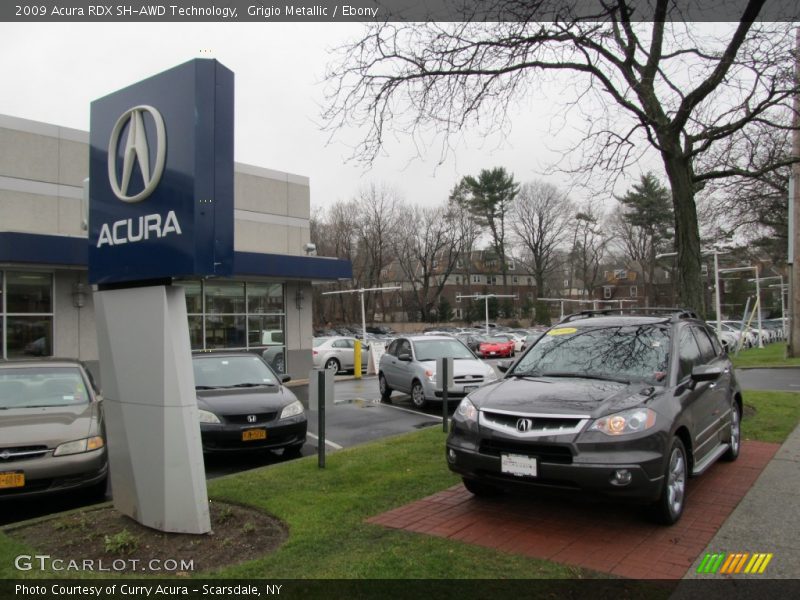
[338, 353]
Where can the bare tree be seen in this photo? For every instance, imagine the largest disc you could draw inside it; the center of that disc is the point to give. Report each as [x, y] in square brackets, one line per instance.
[375, 226]
[754, 212]
[427, 251]
[542, 215]
[589, 246]
[650, 81]
[333, 233]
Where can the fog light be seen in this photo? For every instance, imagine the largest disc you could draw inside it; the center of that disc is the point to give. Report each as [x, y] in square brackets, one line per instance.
[451, 456]
[621, 477]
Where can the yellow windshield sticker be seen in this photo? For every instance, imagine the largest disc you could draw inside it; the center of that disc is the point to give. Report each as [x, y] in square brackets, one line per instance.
[562, 331]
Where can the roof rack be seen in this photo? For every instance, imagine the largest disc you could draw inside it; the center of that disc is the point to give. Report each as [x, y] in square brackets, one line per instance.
[675, 313]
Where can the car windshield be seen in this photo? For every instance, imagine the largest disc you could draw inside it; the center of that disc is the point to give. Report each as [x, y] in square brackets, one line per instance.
[31, 387]
[433, 349]
[496, 339]
[623, 353]
[316, 342]
[231, 371]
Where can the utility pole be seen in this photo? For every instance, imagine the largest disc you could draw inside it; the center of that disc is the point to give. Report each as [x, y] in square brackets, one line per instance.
[794, 225]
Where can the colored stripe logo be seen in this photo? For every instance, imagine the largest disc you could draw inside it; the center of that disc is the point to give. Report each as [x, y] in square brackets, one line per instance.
[735, 563]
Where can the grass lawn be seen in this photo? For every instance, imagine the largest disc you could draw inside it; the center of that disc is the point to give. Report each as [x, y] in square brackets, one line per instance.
[325, 510]
[771, 355]
[776, 415]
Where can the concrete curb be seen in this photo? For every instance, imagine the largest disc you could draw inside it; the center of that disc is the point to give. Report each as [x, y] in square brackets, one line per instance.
[767, 520]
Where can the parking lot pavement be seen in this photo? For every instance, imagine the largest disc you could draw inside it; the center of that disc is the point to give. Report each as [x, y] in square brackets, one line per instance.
[358, 415]
[786, 379]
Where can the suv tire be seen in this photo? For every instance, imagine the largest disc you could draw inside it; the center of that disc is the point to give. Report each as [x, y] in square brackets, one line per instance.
[669, 506]
[735, 443]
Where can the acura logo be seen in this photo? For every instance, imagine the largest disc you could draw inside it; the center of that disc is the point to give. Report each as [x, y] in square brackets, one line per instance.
[251, 418]
[137, 148]
[524, 425]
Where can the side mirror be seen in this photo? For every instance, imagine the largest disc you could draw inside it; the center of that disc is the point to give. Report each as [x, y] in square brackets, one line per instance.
[285, 378]
[404, 357]
[504, 365]
[706, 373]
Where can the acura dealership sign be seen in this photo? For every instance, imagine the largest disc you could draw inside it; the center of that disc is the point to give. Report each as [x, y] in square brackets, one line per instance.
[137, 149]
[161, 177]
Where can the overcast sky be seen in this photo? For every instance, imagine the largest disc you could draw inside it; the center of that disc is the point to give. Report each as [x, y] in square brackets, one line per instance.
[51, 72]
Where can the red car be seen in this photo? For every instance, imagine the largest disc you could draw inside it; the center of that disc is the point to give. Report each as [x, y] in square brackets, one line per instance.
[496, 346]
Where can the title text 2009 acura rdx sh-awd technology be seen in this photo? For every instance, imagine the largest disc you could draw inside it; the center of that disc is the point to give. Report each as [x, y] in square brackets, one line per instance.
[626, 405]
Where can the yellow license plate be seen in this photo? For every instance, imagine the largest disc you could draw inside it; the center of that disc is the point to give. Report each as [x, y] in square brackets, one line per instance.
[12, 479]
[254, 434]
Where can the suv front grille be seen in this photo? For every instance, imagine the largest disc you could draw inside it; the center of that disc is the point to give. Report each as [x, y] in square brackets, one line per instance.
[532, 425]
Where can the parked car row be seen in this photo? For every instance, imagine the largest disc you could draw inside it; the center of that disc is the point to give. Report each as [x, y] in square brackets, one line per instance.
[52, 437]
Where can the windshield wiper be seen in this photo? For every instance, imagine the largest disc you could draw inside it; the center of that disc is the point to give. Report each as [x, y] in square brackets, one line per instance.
[527, 375]
[248, 385]
[597, 376]
[206, 387]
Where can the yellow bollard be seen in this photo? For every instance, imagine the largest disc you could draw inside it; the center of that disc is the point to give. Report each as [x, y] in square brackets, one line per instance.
[357, 359]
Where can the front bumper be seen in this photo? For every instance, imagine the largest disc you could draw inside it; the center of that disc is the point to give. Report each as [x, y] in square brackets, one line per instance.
[562, 464]
[53, 474]
[231, 437]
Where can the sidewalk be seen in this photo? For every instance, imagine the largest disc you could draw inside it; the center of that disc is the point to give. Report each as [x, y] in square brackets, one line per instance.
[767, 520]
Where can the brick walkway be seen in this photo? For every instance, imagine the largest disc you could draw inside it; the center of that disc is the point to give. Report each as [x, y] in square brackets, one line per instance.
[595, 534]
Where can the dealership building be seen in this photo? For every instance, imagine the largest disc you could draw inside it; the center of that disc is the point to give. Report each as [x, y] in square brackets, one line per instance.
[46, 306]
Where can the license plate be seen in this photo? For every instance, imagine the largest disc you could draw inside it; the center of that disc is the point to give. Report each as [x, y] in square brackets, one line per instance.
[254, 434]
[519, 465]
[469, 388]
[12, 479]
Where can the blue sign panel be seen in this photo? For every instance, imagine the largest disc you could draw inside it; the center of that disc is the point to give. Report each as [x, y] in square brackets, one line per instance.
[161, 177]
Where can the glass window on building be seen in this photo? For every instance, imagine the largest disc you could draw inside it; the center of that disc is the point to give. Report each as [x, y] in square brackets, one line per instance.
[26, 308]
[238, 315]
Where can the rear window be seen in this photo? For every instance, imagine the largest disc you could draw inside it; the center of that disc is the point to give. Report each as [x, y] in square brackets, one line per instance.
[41, 387]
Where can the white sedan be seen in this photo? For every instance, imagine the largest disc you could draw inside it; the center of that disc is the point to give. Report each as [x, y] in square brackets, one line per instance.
[338, 353]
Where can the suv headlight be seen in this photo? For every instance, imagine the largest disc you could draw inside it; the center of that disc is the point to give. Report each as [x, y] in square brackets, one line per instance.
[292, 410]
[467, 411]
[625, 422]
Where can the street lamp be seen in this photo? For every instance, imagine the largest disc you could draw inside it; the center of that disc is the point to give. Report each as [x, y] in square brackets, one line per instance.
[781, 286]
[486, 298]
[363, 314]
[716, 254]
[758, 296]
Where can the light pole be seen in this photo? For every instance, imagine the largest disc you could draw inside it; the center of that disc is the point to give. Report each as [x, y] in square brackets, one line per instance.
[781, 286]
[486, 298]
[758, 296]
[363, 315]
[561, 300]
[716, 254]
